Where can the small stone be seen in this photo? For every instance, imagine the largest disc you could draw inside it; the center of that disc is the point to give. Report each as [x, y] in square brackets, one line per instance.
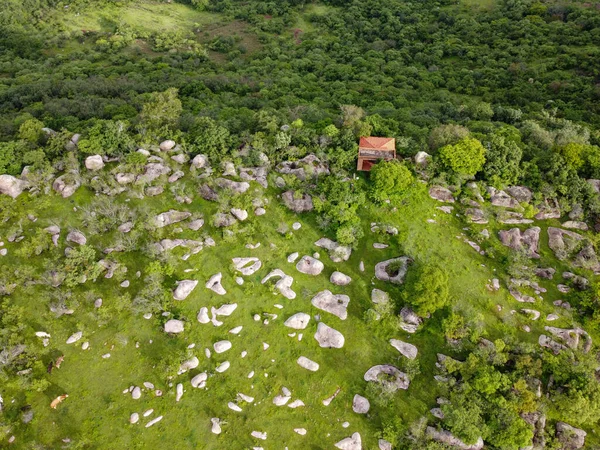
[134, 418]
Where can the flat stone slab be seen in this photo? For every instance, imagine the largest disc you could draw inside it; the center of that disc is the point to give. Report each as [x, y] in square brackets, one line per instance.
[335, 304]
[247, 266]
[283, 285]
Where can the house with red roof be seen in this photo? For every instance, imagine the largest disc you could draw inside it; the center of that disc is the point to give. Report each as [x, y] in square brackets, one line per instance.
[373, 149]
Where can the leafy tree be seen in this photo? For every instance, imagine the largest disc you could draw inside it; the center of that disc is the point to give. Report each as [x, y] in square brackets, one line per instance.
[31, 131]
[465, 158]
[107, 137]
[390, 180]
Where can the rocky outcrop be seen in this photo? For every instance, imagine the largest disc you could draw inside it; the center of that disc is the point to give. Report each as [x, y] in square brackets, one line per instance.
[238, 187]
[389, 376]
[565, 243]
[570, 437]
[309, 166]
[502, 199]
[521, 193]
[476, 215]
[258, 174]
[11, 186]
[441, 194]
[299, 205]
[447, 438]
[392, 270]
[170, 217]
[152, 171]
[66, 185]
[527, 240]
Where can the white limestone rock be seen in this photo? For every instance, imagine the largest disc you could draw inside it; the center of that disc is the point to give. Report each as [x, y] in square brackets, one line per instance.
[214, 284]
[307, 364]
[184, 288]
[298, 321]
[174, 326]
[327, 337]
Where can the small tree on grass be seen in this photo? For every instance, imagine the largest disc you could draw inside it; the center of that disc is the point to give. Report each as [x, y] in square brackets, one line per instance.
[390, 180]
[430, 291]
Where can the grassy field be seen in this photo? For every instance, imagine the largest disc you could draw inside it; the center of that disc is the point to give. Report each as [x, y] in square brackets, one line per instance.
[96, 412]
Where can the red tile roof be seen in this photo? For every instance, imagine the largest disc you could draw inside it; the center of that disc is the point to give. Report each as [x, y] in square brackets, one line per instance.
[377, 143]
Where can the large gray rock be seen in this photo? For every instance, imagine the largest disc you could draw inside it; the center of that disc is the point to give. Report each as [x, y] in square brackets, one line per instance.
[174, 326]
[258, 174]
[389, 376]
[94, 162]
[520, 193]
[382, 270]
[247, 266]
[298, 321]
[167, 145]
[170, 217]
[327, 337]
[66, 185]
[200, 162]
[502, 199]
[11, 186]
[406, 349]
[310, 265]
[184, 288]
[152, 171]
[575, 225]
[527, 240]
[335, 304]
[441, 194]
[298, 205]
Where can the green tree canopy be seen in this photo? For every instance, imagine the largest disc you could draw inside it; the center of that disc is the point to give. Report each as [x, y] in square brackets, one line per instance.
[390, 180]
[466, 157]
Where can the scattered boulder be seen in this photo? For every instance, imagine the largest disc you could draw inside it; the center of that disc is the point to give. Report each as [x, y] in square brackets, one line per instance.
[502, 199]
[521, 193]
[422, 159]
[307, 364]
[298, 321]
[392, 270]
[350, 443]
[199, 381]
[335, 304]
[214, 284]
[575, 225]
[406, 349]
[208, 193]
[94, 162]
[200, 162]
[517, 240]
[239, 214]
[283, 285]
[174, 326]
[223, 220]
[184, 288]
[327, 337]
[306, 167]
[476, 215]
[310, 265]
[222, 346]
[242, 265]
[152, 171]
[11, 186]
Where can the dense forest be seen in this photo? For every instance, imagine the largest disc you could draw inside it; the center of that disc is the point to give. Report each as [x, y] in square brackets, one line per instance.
[480, 97]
